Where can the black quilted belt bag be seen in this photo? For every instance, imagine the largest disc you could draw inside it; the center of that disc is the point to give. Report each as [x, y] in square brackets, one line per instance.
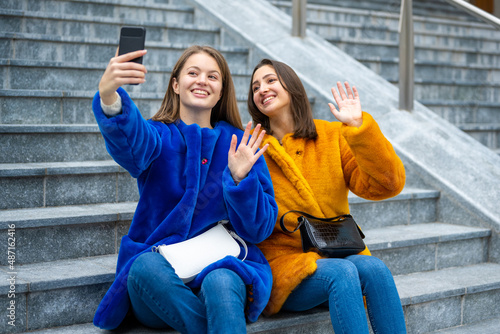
[331, 237]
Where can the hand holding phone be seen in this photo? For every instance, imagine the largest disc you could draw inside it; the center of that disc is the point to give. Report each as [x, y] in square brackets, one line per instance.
[132, 39]
[127, 69]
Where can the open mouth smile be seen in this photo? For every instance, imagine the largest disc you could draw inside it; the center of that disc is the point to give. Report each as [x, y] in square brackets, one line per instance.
[267, 99]
[200, 92]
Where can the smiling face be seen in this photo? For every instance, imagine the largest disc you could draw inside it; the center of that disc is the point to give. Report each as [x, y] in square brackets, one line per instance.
[269, 95]
[199, 84]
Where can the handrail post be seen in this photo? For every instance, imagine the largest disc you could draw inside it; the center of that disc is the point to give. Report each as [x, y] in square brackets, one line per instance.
[299, 14]
[406, 56]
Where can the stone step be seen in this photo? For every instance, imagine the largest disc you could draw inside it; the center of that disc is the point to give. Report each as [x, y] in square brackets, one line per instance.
[411, 206]
[147, 10]
[42, 228]
[426, 8]
[50, 75]
[427, 247]
[450, 297]
[67, 292]
[328, 20]
[457, 90]
[486, 134]
[359, 48]
[67, 232]
[489, 41]
[82, 49]
[73, 107]
[328, 14]
[37, 185]
[428, 70]
[490, 326]
[423, 8]
[51, 143]
[71, 25]
[485, 43]
[26, 4]
[286, 322]
[61, 106]
[460, 112]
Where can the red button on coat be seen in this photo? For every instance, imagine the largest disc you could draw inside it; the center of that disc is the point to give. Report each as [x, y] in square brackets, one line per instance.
[204, 161]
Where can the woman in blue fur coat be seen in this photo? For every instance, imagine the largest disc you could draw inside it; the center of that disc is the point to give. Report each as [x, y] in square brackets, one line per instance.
[191, 173]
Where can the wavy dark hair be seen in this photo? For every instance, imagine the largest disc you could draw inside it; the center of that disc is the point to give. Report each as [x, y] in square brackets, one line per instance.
[299, 103]
[226, 108]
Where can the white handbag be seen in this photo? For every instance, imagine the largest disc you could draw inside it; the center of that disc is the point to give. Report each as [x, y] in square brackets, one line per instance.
[190, 257]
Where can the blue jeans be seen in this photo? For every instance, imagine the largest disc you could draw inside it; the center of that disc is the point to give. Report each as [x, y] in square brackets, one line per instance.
[341, 285]
[161, 300]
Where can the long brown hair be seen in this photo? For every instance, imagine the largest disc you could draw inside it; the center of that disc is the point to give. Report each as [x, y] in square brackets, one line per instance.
[226, 108]
[299, 103]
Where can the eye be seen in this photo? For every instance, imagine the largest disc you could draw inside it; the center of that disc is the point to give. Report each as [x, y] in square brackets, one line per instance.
[192, 73]
[271, 80]
[213, 77]
[255, 88]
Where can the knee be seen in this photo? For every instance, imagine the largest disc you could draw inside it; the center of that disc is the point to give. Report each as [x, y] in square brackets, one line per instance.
[370, 266]
[146, 265]
[219, 277]
[224, 281]
[338, 268]
[338, 274]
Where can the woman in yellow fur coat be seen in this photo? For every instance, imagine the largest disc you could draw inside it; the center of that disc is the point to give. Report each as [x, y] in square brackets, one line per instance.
[313, 165]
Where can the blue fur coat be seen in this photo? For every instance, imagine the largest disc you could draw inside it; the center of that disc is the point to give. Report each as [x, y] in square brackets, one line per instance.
[185, 187]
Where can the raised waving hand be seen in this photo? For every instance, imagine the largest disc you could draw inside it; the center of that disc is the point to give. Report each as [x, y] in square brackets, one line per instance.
[241, 159]
[349, 111]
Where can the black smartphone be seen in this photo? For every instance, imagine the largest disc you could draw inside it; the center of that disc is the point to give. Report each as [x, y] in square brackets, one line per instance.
[132, 39]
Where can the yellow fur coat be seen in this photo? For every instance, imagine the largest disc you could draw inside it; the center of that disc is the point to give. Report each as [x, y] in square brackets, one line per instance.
[315, 176]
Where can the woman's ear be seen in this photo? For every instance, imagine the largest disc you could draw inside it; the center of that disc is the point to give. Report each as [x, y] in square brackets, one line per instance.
[175, 86]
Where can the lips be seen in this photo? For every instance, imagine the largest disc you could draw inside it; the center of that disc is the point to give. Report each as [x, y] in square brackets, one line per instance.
[267, 99]
[200, 92]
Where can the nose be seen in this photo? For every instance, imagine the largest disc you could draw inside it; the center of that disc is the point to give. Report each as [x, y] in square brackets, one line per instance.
[263, 89]
[201, 79]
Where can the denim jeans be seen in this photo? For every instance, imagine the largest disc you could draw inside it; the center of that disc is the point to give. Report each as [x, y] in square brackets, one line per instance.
[161, 300]
[341, 284]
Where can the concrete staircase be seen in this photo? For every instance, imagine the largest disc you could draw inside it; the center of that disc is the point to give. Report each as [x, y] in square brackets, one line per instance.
[457, 60]
[67, 203]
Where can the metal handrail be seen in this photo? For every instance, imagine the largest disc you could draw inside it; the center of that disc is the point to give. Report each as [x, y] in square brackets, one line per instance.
[406, 56]
[477, 12]
[406, 46]
[299, 15]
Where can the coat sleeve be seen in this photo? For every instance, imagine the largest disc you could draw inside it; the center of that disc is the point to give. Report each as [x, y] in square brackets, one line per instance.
[371, 167]
[130, 140]
[251, 205]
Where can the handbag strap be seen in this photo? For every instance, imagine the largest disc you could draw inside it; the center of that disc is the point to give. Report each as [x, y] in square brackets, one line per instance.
[301, 221]
[236, 237]
[243, 243]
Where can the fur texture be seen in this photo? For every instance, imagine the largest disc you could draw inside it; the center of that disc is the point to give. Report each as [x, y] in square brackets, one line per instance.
[315, 176]
[185, 187]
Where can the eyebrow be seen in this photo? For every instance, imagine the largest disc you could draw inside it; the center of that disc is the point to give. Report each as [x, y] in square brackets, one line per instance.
[264, 77]
[199, 69]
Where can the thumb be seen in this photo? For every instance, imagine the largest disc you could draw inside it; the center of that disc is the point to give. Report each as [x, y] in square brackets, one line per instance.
[334, 111]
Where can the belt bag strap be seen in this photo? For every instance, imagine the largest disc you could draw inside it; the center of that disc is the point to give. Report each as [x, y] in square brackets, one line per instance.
[305, 214]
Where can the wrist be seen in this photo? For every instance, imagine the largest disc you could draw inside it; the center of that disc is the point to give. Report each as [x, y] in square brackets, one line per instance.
[236, 180]
[112, 109]
[109, 99]
[355, 123]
